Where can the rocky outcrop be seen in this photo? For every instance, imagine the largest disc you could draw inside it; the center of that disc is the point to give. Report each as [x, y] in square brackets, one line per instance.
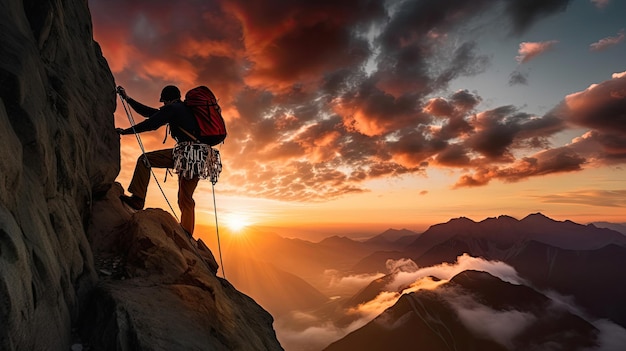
[158, 289]
[58, 150]
[149, 287]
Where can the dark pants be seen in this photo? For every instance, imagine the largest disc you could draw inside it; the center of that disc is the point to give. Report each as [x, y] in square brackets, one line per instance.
[163, 159]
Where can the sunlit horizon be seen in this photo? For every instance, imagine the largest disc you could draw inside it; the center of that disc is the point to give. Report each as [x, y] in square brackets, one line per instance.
[237, 222]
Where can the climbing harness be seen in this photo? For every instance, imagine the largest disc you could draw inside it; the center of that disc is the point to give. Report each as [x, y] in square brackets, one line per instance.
[203, 161]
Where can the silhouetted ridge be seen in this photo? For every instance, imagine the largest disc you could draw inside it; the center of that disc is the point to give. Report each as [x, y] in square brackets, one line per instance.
[337, 241]
[390, 236]
[445, 318]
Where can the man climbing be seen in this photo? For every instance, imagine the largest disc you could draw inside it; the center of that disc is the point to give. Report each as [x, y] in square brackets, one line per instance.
[180, 119]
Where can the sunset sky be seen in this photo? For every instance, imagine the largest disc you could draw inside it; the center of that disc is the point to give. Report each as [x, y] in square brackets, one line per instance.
[361, 115]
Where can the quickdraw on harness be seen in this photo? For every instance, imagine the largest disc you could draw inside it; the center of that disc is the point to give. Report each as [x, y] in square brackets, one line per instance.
[190, 158]
[196, 159]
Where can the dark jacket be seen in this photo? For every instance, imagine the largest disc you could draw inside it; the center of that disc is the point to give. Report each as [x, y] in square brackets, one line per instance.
[177, 115]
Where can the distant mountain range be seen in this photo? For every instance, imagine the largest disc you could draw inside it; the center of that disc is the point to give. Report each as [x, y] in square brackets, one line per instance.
[393, 238]
[500, 233]
[580, 264]
[618, 227]
[570, 276]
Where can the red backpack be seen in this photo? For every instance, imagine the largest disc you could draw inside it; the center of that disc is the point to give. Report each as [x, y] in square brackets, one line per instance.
[208, 114]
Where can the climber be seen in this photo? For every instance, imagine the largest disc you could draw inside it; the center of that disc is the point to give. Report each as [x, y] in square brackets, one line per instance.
[180, 119]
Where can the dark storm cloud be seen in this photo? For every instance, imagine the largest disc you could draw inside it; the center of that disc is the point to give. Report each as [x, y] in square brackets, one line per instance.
[518, 78]
[525, 12]
[454, 156]
[558, 160]
[497, 131]
[414, 148]
[419, 21]
[465, 101]
[494, 132]
[414, 36]
[299, 40]
[372, 111]
[466, 62]
[601, 107]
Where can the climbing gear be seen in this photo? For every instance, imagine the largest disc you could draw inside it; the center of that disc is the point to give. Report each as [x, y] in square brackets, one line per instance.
[196, 159]
[216, 168]
[217, 229]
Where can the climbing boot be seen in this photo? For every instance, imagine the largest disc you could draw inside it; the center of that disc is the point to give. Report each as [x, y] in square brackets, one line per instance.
[135, 202]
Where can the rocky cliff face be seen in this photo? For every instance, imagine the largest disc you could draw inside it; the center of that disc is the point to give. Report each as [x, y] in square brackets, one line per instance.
[56, 99]
[158, 289]
[59, 159]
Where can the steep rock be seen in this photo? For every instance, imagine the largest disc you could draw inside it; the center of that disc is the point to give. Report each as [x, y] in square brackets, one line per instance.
[59, 149]
[158, 289]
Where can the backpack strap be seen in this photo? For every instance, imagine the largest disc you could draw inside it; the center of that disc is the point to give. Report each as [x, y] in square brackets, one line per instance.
[193, 137]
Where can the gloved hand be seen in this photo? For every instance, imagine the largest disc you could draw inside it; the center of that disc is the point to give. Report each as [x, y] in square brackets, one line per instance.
[120, 90]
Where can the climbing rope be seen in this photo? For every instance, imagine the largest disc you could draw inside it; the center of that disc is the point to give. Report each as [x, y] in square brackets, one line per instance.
[214, 173]
[217, 230]
[129, 114]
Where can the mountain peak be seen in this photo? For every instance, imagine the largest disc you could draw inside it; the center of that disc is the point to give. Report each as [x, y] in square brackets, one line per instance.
[507, 231]
[461, 220]
[390, 235]
[336, 240]
[537, 218]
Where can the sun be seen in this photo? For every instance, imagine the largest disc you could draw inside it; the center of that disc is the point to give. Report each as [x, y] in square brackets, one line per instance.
[236, 222]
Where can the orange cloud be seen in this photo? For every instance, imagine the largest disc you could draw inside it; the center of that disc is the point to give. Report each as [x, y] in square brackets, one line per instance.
[439, 107]
[603, 198]
[608, 42]
[181, 71]
[529, 50]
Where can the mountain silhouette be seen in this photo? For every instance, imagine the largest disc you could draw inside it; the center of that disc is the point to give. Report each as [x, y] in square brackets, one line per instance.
[392, 239]
[577, 265]
[618, 227]
[504, 231]
[473, 311]
[500, 233]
